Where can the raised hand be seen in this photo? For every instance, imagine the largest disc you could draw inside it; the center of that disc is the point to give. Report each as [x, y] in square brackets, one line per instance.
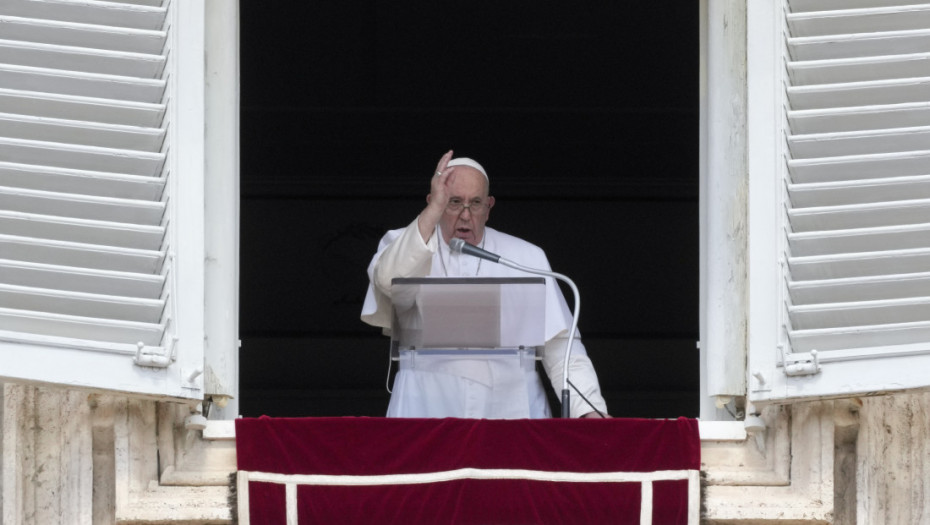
[441, 182]
[438, 198]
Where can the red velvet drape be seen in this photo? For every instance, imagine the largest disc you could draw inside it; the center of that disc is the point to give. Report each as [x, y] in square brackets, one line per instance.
[513, 462]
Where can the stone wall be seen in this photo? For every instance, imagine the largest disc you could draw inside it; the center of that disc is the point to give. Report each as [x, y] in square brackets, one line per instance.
[73, 456]
[893, 460]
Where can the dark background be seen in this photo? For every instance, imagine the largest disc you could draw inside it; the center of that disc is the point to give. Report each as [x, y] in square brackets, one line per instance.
[585, 115]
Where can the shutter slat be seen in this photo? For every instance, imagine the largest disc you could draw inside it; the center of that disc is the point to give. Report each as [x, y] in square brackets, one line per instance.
[862, 313]
[89, 109]
[845, 265]
[853, 216]
[82, 35]
[81, 304]
[153, 3]
[27, 127]
[24, 325]
[859, 191]
[79, 157]
[86, 280]
[62, 82]
[87, 60]
[860, 118]
[868, 93]
[859, 69]
[854, 167]
[859, 240]
[853, 289]
[127, 211]
[801, 6]
[859, 20]
[91, 256]
[82, 231]
[102, 13]
[81, 182]
[858, 142]
[859, 45]
[880, 339]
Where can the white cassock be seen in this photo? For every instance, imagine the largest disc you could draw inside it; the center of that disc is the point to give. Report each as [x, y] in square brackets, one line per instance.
[490, 388]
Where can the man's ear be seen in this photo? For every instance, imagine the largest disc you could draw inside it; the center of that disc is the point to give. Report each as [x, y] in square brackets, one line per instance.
[490, 202]
[428, 195]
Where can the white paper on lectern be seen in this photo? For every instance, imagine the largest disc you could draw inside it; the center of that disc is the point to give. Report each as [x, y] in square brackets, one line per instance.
[476, 313]
[460, 316]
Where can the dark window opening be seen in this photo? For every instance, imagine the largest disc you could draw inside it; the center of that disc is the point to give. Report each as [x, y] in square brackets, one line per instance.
[586, 118]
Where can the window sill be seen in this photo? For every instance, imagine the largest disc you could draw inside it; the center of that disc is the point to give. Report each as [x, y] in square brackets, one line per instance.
[225, 430]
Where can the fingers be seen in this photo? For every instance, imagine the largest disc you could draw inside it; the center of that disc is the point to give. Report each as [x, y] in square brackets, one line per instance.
[443, 163]
[443, 176]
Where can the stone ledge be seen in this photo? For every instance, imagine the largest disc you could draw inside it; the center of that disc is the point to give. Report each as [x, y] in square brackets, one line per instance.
[177, 506]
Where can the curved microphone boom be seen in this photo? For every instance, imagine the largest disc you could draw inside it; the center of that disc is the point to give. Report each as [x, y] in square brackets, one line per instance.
[460, 246]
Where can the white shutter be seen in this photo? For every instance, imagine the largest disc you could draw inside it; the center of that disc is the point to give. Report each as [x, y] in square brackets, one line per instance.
[853, 223]
[101, 214]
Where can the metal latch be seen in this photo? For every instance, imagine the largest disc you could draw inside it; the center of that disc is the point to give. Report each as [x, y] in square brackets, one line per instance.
[806, 364]
[155, 356]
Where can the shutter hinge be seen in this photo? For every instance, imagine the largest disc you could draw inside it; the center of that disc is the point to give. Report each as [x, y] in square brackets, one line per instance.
[155, 356]
[806, 364]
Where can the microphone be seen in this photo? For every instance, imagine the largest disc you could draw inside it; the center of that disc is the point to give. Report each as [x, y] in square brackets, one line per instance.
[460, 246]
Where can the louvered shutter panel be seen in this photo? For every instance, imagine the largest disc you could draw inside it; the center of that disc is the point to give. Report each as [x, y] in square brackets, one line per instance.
[92, 239]
[855, 213]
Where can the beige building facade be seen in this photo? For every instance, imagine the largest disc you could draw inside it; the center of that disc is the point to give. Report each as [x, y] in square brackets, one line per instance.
[815, 327]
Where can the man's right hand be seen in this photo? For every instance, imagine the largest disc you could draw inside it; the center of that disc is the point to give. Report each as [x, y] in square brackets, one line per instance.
[442, 181]
[438, 198]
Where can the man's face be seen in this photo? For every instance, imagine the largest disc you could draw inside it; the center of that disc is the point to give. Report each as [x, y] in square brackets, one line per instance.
[469, 190]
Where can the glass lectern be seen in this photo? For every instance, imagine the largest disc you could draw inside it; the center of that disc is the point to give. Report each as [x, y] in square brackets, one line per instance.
[469, 317]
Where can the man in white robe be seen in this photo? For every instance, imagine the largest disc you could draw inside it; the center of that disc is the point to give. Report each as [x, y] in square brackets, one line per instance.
[488, 387]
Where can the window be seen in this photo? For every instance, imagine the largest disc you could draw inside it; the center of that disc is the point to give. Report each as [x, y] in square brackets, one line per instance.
[102, 192]
[839, 198]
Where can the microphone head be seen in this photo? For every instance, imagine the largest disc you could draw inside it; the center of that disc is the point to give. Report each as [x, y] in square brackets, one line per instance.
[456, 245]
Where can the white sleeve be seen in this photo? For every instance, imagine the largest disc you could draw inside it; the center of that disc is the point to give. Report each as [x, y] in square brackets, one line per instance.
[400, 254]
[580, 372]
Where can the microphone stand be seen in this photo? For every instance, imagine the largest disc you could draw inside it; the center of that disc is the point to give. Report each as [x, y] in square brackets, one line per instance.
[571, 333]
[459, 245]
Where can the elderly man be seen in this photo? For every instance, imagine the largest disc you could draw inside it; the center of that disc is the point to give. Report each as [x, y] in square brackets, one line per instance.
[458, 205]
